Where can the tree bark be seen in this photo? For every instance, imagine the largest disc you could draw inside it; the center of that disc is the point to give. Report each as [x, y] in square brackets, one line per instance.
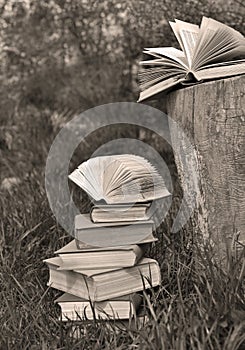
[212, 116]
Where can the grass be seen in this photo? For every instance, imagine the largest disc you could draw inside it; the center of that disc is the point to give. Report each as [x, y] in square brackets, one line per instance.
[199, 305]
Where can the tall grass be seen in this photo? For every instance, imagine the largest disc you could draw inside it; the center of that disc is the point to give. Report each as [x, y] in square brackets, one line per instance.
[199, 305]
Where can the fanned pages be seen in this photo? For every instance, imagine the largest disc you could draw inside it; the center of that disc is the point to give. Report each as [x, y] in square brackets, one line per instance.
[212, 51]
[123, 178]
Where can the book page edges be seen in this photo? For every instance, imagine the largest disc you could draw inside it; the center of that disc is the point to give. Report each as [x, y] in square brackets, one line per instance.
[82, 221]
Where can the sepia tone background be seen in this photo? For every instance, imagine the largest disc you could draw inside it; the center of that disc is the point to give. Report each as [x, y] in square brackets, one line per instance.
[59, 58]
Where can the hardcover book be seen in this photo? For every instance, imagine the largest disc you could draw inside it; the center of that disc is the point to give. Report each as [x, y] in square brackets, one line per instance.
[122, 213]
[210, 51]
[76, 309]
[112, 234]
[99, 286]
[99, 258]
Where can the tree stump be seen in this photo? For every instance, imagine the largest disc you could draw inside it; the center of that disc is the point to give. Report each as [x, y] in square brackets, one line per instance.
[212, 115]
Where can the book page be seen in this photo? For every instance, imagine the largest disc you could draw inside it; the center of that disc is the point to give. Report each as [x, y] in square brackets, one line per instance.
[175, 29]
[187, 34]
[220, 71]
[126, 178]
[170, 52]
[86, 176]
[220, 64]
[160, 62]
[221, 54]
[78, 178]
[217, 42]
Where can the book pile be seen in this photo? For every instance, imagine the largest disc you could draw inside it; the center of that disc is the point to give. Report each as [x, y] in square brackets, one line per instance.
[211, 51]
[103, 270]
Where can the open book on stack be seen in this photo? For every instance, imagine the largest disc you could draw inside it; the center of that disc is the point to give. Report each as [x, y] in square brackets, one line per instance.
[211, 51]
[104, 269]
[124, 188]
[120, 179]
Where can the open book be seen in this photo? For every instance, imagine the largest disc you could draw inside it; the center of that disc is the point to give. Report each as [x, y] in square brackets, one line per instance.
[210, 51]
[123, 178]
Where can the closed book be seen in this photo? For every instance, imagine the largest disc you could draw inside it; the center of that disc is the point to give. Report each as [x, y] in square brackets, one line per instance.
[83, 246]
[123, 213]
[99, 286]
[104, 257]
[111, 234]
[74, 308]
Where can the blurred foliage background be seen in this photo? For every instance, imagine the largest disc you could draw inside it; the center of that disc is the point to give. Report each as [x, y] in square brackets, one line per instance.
[63, 54]
[60, 57]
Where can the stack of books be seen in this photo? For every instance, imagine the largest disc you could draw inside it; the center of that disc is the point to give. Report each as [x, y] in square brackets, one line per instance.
[103, 270]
